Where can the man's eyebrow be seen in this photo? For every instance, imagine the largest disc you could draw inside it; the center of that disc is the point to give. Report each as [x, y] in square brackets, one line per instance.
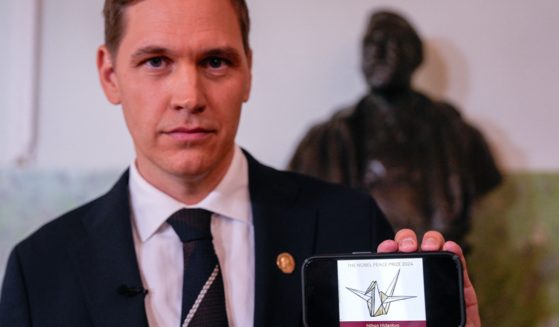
[227, 52]
[148, 51]
[154, 50]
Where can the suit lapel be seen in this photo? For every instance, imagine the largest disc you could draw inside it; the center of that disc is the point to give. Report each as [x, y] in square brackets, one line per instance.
[106, 259]
[280, 225]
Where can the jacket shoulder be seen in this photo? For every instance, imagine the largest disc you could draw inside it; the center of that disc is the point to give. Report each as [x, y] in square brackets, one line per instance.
[340, 209]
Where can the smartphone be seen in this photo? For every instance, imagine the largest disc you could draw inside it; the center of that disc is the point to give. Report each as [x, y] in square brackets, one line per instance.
[384, 290]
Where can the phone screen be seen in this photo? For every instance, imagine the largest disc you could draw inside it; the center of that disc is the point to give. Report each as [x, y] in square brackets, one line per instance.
[394, 290]
[387, 291]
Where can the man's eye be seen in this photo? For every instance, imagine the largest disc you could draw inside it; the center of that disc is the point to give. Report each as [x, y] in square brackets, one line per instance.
[215, 62]
[156, 62]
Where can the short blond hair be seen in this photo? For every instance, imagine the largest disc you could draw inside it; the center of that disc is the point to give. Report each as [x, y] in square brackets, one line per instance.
[114, 28]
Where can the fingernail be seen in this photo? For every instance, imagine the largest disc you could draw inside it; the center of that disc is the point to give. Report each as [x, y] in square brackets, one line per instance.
[407, 242]
[430, 241]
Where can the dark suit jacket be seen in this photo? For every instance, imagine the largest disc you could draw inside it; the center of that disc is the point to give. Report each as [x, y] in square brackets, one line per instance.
[68, 272]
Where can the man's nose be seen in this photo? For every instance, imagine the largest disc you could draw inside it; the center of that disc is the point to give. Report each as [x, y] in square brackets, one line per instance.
[188, 90]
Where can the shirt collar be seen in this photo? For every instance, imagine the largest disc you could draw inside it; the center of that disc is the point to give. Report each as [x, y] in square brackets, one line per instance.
[230, 199]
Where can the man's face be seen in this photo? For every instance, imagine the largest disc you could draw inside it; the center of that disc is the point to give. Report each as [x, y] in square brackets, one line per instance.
[181, 74]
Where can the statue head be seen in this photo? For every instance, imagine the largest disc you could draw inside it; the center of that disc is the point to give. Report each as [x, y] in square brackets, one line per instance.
[392, 51]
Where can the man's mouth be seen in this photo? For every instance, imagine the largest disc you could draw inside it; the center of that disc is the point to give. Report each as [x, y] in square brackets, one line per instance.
[190, 134]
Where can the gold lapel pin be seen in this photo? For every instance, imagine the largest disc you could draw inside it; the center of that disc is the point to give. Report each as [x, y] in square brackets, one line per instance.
[285, 263]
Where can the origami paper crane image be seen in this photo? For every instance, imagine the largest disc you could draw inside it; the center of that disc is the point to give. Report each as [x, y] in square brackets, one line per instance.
[378, 302]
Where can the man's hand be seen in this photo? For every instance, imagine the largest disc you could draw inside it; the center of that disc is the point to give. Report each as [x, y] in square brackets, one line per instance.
[406, 241]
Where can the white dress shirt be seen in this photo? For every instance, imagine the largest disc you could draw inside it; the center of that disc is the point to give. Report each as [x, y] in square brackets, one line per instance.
[159, 249]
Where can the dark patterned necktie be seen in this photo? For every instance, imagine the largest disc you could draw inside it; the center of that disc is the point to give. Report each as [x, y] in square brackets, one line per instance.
[203, 300]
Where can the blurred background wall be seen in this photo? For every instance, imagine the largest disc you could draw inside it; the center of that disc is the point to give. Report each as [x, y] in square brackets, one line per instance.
[495, 60]
[62, 143]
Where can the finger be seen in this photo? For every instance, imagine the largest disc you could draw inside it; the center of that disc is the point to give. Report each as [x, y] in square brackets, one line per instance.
[407, 240]
[470, 298]
[387, 246]
[451, 246]
[432, 241]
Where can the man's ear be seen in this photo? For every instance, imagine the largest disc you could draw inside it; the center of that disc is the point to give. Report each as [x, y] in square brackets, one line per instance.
[248, 85]
[107, 75]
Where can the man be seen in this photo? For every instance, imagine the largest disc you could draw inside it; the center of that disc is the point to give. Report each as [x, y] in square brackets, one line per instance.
[181, 71]
[424, 165]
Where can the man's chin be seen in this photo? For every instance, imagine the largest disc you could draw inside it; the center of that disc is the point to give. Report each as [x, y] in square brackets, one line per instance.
[194, 167]
[189, 169]
[194, 163]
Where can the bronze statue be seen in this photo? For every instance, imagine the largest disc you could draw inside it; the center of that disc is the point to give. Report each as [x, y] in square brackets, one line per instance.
[417, 157]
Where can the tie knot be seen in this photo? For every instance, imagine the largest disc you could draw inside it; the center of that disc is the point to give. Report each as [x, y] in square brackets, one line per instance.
[191, 224]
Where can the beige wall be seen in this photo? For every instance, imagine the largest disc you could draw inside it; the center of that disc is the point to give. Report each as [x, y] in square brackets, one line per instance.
[495, 60]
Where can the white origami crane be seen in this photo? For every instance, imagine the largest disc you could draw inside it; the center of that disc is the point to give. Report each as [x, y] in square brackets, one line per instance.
[378, 302]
